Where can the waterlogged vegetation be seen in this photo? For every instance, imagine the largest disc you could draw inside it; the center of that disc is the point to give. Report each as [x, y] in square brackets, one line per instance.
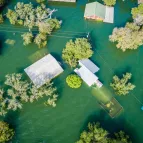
[15, 90]
[97, 134]
[29, 16]
[20, 91]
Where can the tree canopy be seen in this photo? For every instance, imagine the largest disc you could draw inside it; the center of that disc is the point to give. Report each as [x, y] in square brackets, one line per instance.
[76, 50]
[97, 134]
[27, 38]
[30, 16]
[109, 2]
[122, 86]
[128, 37]
[6, 133]
[19, 91]
[74, 81]
[2, 2]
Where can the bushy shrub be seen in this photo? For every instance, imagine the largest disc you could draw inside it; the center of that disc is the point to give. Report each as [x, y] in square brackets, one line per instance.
[6, 133]
[74, 81]
[109, 2]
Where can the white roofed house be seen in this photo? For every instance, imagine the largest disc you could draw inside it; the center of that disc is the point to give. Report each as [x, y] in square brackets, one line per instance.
[87, 72]
[43, 70]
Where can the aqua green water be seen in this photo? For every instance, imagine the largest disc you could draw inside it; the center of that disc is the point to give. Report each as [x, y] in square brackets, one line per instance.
[36, 123]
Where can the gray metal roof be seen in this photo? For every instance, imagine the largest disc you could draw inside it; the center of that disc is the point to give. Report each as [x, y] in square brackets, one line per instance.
[43, 70]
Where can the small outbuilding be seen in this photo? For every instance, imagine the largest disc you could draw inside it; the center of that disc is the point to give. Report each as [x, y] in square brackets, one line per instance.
[43, 70]
[100, 12]
[86, 72]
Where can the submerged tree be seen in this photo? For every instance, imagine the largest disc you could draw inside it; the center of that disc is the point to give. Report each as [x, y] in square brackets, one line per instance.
[1, 19]
[129, 37]
[122, 86]
[40, 1]
[6, 133]
[74, 81]
[46, 90]
[2, 2]
[109, 2]
[95, 134]
[18, 87]
[27, 37]
[76, 50]
[41, 40]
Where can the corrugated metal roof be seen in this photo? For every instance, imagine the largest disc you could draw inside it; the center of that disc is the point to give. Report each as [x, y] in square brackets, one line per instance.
[86, 75]
[43, 70]
[95, 8]
[89, 65]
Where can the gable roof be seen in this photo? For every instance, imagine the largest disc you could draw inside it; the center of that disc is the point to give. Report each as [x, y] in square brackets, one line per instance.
[86, 75]
[95, 8]
[43, 70]
[89, 65]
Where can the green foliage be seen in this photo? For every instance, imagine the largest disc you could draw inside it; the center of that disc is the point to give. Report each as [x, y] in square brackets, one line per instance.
[27, 37]
[40, 1]
[2, 2]
[77, 50]
[74, 81]
[19, 91]
[95, 134]
[129, 37]
[10, 41]
[1, 19]
[120, 137]
[6, 133]
[109, 2]
[30, 16]
[41, 40]
[137, 11]
[122, 86]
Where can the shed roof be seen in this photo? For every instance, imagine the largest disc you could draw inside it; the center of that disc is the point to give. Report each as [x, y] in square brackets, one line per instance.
[95, 8]
[89, 65]
[86, 75]
[43, 70]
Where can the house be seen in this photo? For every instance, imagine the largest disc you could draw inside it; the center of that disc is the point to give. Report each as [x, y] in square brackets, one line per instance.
[43, 70]
[87, 72]
[63, 0]
[99, 12]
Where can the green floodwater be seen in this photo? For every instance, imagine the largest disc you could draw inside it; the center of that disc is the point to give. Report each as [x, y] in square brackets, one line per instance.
[36, 123]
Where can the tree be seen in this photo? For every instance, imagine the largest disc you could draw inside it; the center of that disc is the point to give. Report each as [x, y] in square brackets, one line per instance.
[1, 19]
[17, 87]
[95, 134]
[77, 50]
[40, 40]
[2, 2]
[27, 37]
[129, 37]
[109, 2]
[122, 86]
[120, 137]
[74, 81]
[137, 11]
[40, 1]
[6, 133]
[47, 90]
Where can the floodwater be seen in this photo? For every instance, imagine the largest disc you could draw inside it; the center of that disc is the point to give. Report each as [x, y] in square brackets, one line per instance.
[36, 123]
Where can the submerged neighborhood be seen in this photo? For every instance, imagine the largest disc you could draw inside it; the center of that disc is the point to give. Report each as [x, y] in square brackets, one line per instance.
[71, 63]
